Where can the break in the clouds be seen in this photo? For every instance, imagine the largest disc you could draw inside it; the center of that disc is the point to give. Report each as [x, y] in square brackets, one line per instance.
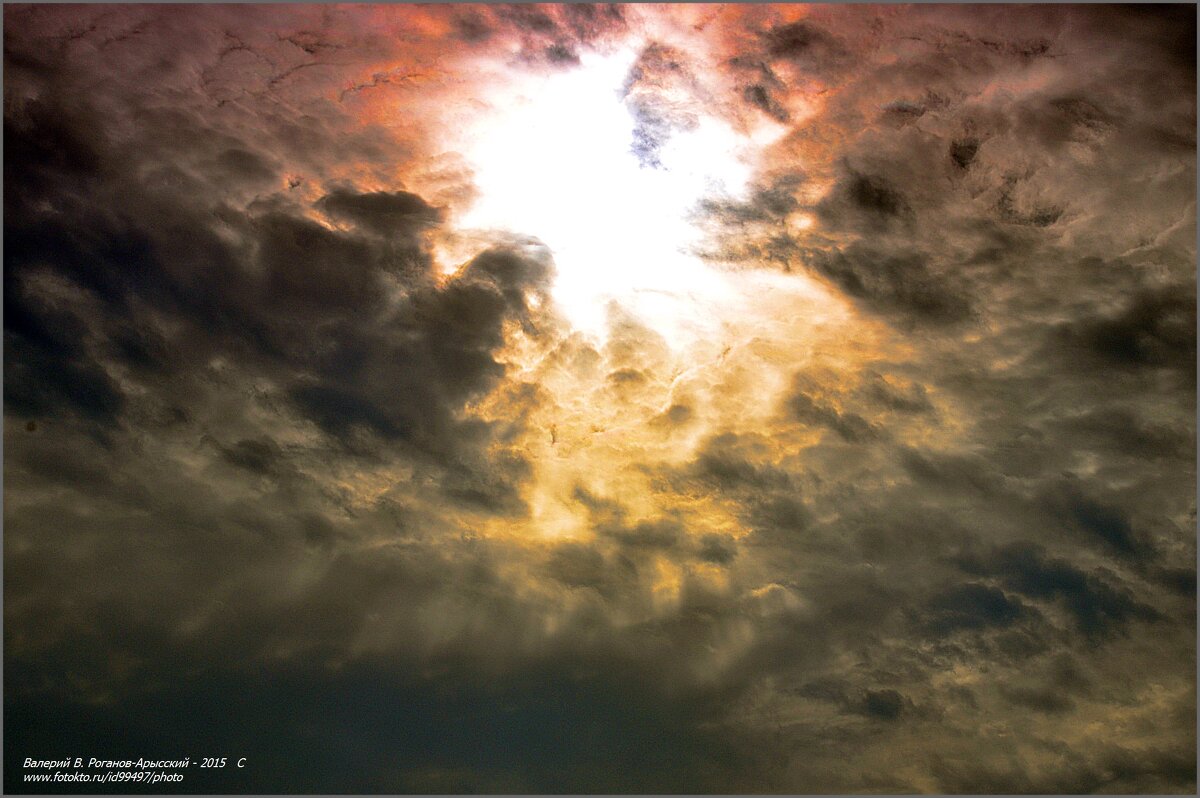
[603, 398]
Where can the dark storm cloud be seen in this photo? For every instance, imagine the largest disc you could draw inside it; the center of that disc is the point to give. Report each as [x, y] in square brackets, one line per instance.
[760, 86]
[402, 380]
[802, 50]
[963, 152]
[938, 220]
[802, 42]
[1119, 431]
[446, 734]
[727, 463]
[876, 201]
[238, 327]
[883, 705]
[1153, 329]
[884, 393]
[386, 213]
[293, 298]
[471, 26]
[257, 445]
[943, 238]
[969, 606]
[901, 154]
[259, 456]
[850, 427]
[50, 371]
[1104, 522]
[1098, 607]
[901, 283]
[760, 96]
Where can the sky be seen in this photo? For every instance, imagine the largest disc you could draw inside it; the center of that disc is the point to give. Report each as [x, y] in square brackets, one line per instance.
[611, 399]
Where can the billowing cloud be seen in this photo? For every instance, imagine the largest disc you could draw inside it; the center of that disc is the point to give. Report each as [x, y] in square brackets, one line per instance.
[822, 421]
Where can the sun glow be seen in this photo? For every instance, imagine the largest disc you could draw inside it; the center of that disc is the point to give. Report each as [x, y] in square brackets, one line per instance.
[553, 158]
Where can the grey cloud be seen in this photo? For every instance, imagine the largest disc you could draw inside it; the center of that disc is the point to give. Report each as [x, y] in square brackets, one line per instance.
[897, 283]
[259, 456]
[551, 34]
[1098, 607]
[871, 196]
[290, 300]
[653, 84]
[1154, 329]
[254, 486]
[382, 212]
[850, 427]
[806, 45]
[972, 605]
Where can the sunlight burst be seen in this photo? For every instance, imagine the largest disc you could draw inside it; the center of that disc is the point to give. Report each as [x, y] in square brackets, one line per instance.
[555, 158]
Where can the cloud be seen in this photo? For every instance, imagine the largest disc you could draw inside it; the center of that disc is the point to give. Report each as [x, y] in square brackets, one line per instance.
[297, 466]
